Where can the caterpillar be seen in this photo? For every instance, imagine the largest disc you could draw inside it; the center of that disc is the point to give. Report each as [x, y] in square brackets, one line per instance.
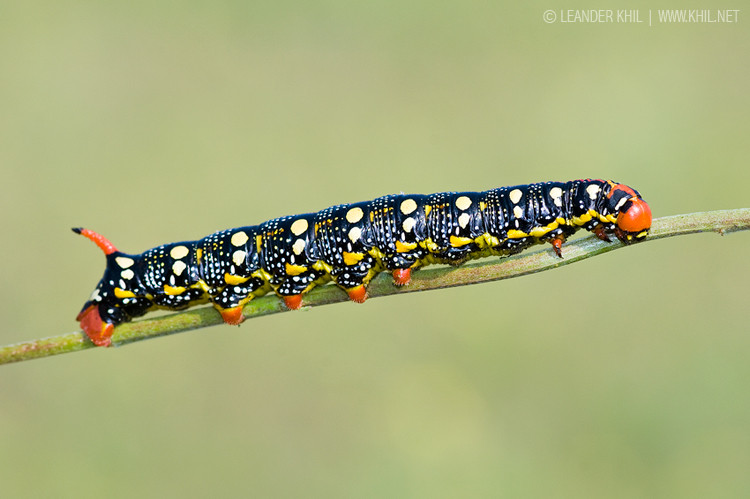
[351, 243]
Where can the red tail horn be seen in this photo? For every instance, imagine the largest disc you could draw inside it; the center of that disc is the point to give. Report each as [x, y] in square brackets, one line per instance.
[107, 247]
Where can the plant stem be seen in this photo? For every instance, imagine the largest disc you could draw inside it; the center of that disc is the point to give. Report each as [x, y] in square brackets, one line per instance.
[488, 269]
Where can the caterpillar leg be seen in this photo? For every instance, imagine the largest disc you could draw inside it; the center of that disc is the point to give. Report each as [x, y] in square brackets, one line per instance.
[232, 316]
[354, 278]
[557, 243]
[98, 331]
[401, 277]
[292, 286]
[599, 232]
[357, 294]
[293, 302]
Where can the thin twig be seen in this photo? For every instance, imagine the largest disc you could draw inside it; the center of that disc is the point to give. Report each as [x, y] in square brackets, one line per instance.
[488, 269]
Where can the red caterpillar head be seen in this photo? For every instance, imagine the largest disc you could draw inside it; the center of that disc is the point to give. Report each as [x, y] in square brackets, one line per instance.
[633, 213]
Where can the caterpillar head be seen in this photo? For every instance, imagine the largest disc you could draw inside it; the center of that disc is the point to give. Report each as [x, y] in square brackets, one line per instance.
[633, 213]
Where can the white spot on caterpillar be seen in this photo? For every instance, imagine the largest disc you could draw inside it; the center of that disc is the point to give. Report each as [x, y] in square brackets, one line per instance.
[238, 257]
[178, 267]
[299, 246]
[556, 194]
[408, 206]
[354, 215]
[127, 274]
[239, 238]
[620, 203]
[179, 252]
[515, 195]
[124, 262]
[463, 203]
[517, 212]
[409, 224]
[299, 227]
[355, 234]
[464, 220]
[593, 190]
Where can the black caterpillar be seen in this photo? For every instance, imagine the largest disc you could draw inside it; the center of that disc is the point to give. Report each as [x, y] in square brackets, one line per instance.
[350, 244]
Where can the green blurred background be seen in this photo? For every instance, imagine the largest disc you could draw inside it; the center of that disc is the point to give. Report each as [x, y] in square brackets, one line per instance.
[623, 376]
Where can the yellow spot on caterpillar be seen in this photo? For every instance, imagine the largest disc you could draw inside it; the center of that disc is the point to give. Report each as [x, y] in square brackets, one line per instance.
[515, 195]
[352, 258]
[355, 234]
[463, 203]
[234, 279]
[457, 242]
[516, 234]
[354, 215]
[322, 266]
[294, 269]
[299, 226]
[239, 238]
[556, 194]
[376, 253]
[607, 218]
[404, 247]
[487, 241]
[540, 231]
[482, 205]
[258, 243]
[201, 284]
[173, 290]
[238, 257]
[124, 262]
[585, 218]
[299, 246]
[408, 206]
[593, 190]
[430, 245]
[178, 267]
[199, 255]
[179, 252]
[427, 209]
[121, 293]
[561, 221]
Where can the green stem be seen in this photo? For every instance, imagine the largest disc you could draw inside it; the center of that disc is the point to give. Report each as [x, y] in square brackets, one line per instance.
[488, 269]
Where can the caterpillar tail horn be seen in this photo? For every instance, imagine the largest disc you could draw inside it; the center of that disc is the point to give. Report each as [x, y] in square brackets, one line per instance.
[98, 331]
[104, 244]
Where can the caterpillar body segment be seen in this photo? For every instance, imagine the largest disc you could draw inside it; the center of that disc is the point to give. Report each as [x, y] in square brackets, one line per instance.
[351, 243]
